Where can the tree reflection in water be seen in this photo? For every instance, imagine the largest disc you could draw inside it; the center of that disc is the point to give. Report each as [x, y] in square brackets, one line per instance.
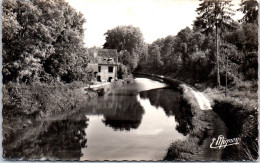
[57, 140]
[171, 102]
[124, 114]
[120, 109]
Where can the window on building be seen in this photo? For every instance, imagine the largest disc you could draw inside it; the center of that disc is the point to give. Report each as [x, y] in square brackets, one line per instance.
[110, 69]
[98, 78]
[99, 68]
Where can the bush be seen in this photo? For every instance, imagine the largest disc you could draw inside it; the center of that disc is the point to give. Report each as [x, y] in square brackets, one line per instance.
[122, 71]
[41, 97]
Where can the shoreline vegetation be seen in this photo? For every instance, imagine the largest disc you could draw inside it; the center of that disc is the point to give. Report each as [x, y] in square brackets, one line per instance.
[234, 116]
[28, 107]
[45, 68]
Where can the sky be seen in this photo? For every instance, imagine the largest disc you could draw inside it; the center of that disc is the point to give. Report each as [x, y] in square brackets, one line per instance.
[155, 18]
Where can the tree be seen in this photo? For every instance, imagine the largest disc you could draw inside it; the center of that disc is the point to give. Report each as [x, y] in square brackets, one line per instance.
[122, 71]
[250, 9]
[181, 45]
[245, 38]
[131, 61]
[186, 43]
[167, 48]
[126, 38]
[20, 52]
[214, 15]
[41, 39]
[154, 56]
[69, 60]
[229, 60]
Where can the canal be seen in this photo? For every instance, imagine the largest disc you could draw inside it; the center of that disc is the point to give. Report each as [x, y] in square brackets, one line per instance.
[138, 121]
[133, 122]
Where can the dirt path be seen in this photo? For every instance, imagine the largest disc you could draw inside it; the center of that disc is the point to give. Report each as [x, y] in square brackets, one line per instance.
[202, 101]
[210, 124]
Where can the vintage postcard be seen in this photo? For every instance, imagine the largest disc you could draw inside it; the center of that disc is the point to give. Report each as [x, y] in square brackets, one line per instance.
[130, 80]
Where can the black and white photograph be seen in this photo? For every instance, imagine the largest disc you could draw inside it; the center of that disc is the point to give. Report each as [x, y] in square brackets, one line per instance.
[130, 80]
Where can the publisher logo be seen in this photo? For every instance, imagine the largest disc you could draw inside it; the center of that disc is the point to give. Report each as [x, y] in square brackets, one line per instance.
[221, 141]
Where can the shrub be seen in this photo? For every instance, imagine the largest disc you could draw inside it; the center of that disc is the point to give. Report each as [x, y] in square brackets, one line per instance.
[122, 71]
[42, 97]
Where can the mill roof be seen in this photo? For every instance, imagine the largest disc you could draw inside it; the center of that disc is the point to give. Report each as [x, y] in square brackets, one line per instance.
[103, 56]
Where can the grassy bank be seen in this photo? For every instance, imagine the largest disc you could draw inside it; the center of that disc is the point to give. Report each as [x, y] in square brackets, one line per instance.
[238, 113]
[24, 105]
[200, 127]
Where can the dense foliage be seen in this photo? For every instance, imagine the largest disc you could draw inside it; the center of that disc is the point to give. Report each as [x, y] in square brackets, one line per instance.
[42, 40]
[127, 38]
[250, 9]
[191, 54]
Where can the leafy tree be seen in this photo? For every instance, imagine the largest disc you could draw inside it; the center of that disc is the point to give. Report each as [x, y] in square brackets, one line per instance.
[230, 59]
[70, 53]
[20, 31]
[131, 61]
[154, 56]
[187, 42]
[182, 41]
[41, 39]
[250, 65]
[122, 71]
[126, 38]
[250, 9]
[144, 55]
[200, 65]
[245, 38]
[167, 48]
[214, 15]
[159, 42]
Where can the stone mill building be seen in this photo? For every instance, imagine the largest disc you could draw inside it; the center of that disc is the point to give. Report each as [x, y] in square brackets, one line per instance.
[103, 63]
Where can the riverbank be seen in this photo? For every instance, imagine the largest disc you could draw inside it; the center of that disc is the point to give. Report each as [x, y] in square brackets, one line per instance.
[102, 88]
[27, 109]
[237, 113]
[201, 124]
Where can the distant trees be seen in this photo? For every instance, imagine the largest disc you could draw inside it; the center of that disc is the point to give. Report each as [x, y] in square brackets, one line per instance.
[127, 38]
[217, 46]
[245, 38]
[42, 40]
[250, 9]
[155, 56]
[215, 16]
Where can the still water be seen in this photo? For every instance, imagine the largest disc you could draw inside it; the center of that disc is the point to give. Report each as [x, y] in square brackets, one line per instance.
[131, 127]
[138, 121]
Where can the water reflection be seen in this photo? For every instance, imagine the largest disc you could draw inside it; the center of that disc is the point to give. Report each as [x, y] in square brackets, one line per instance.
[52, 140]
[172, 103]
[120, 112]
[126, 114]
[132, 123]
[166, 98]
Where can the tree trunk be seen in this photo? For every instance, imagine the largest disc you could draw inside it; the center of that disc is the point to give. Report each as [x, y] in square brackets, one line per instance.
[217, 55]
[226, 74]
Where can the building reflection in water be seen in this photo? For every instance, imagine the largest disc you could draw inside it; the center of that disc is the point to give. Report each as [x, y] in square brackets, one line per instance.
[123, 124]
